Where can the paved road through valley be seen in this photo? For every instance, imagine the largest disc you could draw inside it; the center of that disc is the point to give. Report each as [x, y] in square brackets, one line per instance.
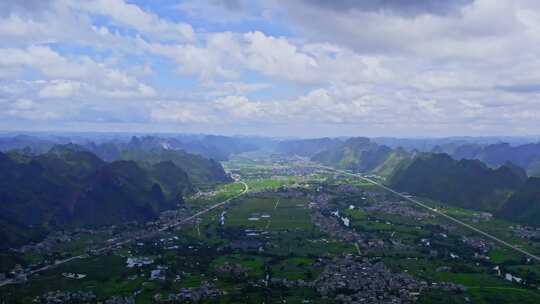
[451, 218]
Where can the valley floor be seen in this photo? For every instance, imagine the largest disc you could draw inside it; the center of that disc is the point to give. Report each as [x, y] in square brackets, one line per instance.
[301, 234]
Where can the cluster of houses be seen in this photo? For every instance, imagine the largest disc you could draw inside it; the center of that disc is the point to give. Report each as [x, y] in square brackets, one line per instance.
[56, 297]
[77, 297]
[477, 244]
[338, 228]
[525, 232]
[120, 300]
[190, 295]
[399, 208]
[49, 243]
[232, 269]
[293, 171]
[335, 227]
[132, 262]
[350, 279]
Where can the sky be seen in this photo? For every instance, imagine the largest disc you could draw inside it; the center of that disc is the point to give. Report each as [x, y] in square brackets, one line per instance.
[309, 68]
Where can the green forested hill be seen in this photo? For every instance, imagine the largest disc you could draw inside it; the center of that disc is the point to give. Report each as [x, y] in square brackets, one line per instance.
[71, 187]
[524, 205]
[200, 170]
[398, 157]
[464, 183]
[171, 178]
[120, 191]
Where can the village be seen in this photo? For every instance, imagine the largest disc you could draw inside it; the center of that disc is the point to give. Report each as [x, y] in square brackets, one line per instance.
[353, 244]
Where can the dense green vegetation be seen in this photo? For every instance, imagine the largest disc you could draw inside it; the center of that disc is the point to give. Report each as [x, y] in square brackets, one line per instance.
[71, 187]
[271, 232]
[284, 243]
[524, 205]
[269, 214]
[465, 183]
[199, 169]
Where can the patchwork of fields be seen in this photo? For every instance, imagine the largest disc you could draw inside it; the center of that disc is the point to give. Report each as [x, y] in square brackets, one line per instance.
[269, 214]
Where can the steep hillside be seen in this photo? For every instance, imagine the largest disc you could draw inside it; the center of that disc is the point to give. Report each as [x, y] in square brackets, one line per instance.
[119, 192]
[70, 161]
[465, 183]
[524, 205]
[173, 180]
[70, 188]
[199, 169]
[149, 151]
[398, 157]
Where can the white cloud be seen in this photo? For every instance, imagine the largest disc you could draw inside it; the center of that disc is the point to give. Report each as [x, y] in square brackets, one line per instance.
[277, 57]
[69, 76]
[220, 89]
[23, 105]
[364, 69]
[239, 107]
[180, 112]
[133, 16]
[28, 109]
[60, 89]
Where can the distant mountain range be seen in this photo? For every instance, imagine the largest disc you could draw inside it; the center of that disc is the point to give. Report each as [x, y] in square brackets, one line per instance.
[307, 147]
[358, 154]
[429, 144]
[209, 146]
[69, 186]
[526, 156]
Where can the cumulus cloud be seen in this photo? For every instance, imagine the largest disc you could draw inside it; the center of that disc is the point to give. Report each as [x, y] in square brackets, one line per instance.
[60, 89]
[133, 16]
[375, 66]
[228, 55]
[27, 109]
[69, 76]
[181, 112]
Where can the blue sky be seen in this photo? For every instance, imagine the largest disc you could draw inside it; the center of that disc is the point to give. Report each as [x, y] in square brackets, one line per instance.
[276, 68]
